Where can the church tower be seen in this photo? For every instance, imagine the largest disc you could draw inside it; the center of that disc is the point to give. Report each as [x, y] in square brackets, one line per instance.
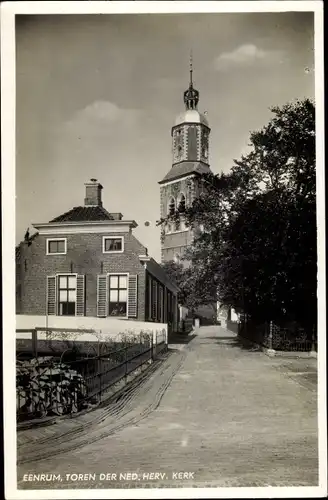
[190, 158]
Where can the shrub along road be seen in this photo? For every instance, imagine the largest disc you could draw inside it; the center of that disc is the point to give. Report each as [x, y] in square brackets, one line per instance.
[215, 414]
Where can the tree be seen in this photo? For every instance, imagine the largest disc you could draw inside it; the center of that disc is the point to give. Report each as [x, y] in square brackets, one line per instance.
[191, 280]
[257, 249]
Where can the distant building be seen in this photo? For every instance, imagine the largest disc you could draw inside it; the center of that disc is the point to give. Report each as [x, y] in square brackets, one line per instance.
[87, 262]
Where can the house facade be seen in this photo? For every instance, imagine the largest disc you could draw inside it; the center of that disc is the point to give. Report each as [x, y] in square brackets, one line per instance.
[87, 262]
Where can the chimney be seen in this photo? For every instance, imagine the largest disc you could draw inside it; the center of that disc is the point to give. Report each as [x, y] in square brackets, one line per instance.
[93, 193]
[116, 215]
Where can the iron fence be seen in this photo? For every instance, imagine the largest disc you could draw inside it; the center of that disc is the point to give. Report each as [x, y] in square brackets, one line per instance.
[290, 337]
[54, 385]
[293, 338]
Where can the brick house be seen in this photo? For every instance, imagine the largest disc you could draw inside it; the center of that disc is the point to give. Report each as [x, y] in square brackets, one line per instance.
[87, 262]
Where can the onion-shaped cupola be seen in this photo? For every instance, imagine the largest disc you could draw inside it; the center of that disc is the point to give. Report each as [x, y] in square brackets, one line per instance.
[191, 95]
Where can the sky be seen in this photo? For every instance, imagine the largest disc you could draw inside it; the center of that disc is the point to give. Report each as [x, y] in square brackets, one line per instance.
[97, 95]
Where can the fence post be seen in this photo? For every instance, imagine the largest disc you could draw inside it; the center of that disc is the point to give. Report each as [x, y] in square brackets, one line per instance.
[35, 342]
[126, 364]
[152, 347]
[99, 372]
[270, 351]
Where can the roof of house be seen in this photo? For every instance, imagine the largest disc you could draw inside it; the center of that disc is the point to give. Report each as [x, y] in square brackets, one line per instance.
[80, 214]
[158, 272]
[17, 252]
[18, 248]
[186, 168]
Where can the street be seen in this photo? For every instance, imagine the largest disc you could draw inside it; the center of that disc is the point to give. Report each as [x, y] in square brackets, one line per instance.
[215, 414]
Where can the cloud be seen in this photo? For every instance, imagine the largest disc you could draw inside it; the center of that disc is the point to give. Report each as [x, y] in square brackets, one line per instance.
[100, 119]
[105, 112]
[242, 56]
[94, 132]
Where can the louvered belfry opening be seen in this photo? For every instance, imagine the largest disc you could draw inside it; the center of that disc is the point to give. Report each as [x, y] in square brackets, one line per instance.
[93, 193]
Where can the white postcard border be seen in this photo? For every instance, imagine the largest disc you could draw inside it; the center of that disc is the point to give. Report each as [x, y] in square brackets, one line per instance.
[8, 11]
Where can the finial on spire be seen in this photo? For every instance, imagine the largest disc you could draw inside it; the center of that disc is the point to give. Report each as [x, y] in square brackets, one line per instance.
[190, 68]
[191, 96]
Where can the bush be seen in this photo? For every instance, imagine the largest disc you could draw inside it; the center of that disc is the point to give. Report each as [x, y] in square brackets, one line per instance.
[46, 387]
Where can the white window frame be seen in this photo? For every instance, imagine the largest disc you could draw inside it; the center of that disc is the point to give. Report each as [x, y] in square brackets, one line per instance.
[104, 238]
[57, 290]
[127, 294]
[56, 239]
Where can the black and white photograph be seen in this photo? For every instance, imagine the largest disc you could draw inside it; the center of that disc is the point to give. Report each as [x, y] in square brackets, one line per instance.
[163, 249]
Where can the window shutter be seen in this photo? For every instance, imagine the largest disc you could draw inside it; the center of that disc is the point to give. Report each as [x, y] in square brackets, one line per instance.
[102, 295]
[154, 300]
[150, 295]
[165, 306]
[133, 296]
[80, 295]
[51, 296]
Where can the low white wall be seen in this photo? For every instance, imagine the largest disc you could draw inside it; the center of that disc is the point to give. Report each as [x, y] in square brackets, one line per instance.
[234, 316]
[103, 327]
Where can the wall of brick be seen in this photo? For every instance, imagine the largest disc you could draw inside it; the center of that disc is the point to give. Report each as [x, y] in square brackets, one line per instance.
[84, 256]
[166, 191]
[175, 243]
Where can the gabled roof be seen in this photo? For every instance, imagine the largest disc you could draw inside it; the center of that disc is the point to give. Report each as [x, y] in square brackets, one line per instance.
[158, 272]
[18, 248]
[80, 214]
[17, 252]
[185, 168]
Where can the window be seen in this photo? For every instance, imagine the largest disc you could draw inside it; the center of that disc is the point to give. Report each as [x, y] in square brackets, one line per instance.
[171, 206]
[154, 300]
[161, 304]
[182, 203]
[56, 246]
[118, 295]
[113, 244]
[169, 309]
[66, 295]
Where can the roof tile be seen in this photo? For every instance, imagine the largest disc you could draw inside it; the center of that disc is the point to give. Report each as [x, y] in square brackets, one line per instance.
[186, 168]
[78, 214]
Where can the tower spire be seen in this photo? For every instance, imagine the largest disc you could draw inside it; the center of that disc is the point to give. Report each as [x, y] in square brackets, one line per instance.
[190, 69]
[191, 96]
